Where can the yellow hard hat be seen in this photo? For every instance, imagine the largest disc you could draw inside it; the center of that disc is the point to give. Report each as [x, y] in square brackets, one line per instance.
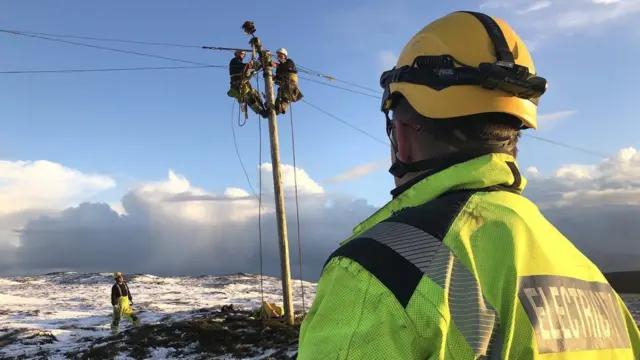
[462, 64]
[117, 274]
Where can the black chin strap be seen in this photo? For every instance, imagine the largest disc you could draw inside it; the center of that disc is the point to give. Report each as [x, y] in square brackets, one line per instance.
[467, 150]
[433, 165]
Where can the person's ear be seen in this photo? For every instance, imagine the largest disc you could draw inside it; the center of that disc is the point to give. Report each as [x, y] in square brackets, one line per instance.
[404, 140]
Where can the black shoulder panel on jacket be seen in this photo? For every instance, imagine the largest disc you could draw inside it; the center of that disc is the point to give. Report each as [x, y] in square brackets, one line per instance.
[434, 217]
[291, 66]
[396, 272]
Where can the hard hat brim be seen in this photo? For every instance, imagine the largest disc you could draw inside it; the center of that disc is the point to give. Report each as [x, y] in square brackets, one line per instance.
[468, 100]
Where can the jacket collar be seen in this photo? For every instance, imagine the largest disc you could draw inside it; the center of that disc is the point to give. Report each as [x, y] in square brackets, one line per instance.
[491, 170]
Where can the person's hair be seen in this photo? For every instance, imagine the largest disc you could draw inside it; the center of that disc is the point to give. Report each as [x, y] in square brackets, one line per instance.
[476, 129]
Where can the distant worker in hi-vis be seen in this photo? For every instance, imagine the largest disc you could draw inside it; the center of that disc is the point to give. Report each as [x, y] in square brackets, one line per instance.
[121, 300]
[459, 264]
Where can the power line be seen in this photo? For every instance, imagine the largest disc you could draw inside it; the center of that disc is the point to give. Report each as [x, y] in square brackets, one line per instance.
[567, 146]
[386, 143]
[62, 71]
[102, 39]
[33, 35]
[557, 143]
[43, 35]
[331, 78]
[340, 87]
[125, 41]
[65, 71]
[110, 49]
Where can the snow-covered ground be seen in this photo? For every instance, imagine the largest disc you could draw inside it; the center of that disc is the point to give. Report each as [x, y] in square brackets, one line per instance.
[61, 313]
[52, 316]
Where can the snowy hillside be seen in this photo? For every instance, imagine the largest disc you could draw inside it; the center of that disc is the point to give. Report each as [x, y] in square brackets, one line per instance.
[67, 315]
[60, 316]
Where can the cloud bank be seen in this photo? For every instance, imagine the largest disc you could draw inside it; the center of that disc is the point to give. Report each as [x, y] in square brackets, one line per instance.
[358, 172]
[542, 20]
[170, 227]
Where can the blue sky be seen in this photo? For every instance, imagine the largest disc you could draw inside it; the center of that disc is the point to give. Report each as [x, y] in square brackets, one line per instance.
[138, 125]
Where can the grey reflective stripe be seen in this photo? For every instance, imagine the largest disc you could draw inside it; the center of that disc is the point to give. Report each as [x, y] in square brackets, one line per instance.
[473, 316]
[119, 290]
[412, 243]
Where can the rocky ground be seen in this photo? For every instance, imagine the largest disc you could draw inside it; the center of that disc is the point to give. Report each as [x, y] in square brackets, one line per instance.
[67, 316]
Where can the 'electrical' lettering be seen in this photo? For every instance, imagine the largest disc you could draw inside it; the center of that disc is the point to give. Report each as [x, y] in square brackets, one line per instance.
[569, 314]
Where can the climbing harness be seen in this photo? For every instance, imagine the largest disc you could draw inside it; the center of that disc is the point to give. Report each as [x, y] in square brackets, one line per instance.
[244, 92]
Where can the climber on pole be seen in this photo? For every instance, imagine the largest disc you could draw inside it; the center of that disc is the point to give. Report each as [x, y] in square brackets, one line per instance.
[286, 78]
[240, 88]
[121, 300]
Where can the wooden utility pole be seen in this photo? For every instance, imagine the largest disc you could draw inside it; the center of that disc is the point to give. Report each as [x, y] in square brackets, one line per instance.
[285, 267]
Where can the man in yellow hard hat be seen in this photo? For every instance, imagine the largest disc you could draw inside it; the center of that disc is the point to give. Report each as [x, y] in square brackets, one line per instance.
[460, 265]
[121, 300]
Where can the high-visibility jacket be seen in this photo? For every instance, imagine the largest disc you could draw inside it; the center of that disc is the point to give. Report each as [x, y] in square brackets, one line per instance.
[462, 266]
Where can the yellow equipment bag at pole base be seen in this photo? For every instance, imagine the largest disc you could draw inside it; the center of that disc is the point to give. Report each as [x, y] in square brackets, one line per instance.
[270, 310]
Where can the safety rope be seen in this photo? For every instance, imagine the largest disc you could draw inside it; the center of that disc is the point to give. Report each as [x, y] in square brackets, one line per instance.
[260, 200]
[235, 144]
[241, 124]
[242, 86]
[295, 183]
[242, 102]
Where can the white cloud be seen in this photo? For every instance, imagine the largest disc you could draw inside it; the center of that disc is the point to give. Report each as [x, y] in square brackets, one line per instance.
[495, 4]
[549, 120]
[539, 5]
[117, 207]
[556, 115]
[387, 60]
[541, 20]
[29, 189]
[172, 227]
[26, 185]
[597, 206]
[305, 184]
[358, 172]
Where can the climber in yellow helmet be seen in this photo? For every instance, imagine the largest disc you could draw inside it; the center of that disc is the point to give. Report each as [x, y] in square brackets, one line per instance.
[121, 300]
[459, 264]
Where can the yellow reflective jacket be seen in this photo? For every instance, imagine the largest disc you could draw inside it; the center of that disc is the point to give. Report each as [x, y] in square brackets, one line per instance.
[462, 266]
